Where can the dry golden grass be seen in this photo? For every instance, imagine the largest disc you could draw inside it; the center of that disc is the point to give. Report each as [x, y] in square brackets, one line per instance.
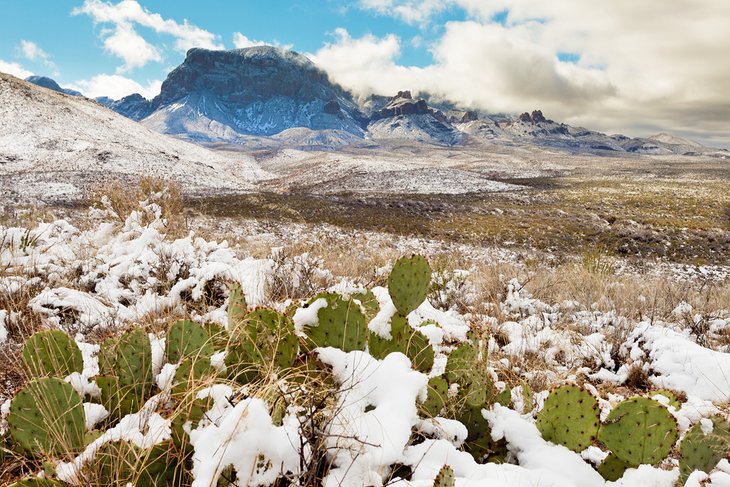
[123, 200]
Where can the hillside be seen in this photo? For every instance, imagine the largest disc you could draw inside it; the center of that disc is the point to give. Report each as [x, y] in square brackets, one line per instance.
[52, 143]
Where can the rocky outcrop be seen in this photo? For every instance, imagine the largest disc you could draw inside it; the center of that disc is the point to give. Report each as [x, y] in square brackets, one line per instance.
[51, 84]
[535, 118]
[220, 95]
[133, 106]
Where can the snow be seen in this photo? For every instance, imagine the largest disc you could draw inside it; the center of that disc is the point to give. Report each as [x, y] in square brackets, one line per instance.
[681, 364]
[239, 436]
[3, 330]
[376, 412]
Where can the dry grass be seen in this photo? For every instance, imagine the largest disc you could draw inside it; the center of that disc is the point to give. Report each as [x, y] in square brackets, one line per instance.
[123, 200]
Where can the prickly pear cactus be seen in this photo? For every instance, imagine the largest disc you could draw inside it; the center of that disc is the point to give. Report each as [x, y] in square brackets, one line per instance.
[51, 353]
[47, 417]
[639, 430]
[187, 339]
[237, 306]
[570, 417]
[438, 391]
[189, 374]
[419, 350]
[445, 477]
[36, 482]
[700, 451]
[369, 304]
[408, 283]
[613, 468]
[479, 442]
[341, 324]
[673, 399]
[132, 372]
[266, 342]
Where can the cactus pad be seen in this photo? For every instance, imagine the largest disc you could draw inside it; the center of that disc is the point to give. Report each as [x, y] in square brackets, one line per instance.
[341, 324]
[188, 374]
[703, 452]
[237, 306]
[369, 304]
[639, 430]
[47, 416]
[570, 418]
[438, 391]
[187, 339]
[133, 370]
[51, 353]
[37, 482]
[673, 399]
[613, 468]
[445, 477]
[408, 283]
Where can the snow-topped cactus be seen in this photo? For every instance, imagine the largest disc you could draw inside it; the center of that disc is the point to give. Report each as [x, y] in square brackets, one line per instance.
[237, 306]
[702, 449]
[47, 417]
[570, 417]
[340, 324]
[408, 283]
[406, 340]
[51, 353]
[639, 431]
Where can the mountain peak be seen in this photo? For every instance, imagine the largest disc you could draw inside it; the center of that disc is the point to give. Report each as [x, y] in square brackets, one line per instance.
[46, 82]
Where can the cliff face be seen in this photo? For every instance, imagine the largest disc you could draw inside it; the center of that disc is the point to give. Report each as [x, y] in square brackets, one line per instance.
[255, 91]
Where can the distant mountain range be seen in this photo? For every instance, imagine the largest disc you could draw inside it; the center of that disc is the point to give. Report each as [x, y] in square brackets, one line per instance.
[268, 97]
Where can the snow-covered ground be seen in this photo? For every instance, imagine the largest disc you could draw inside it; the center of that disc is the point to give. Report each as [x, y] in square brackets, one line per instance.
[105, 278]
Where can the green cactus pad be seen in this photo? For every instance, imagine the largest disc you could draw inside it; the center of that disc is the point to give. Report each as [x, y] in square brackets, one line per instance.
[133, 361]
[47, 416]
[703, 452]
[419, 350]
[266, 341]
[37, 483]
[460, 362]
[438, 392]
[445, 477]
[408, 283]
[219, 336]
[639, 430]
[237, 306]
[188, 374]
[187, 339]
[369, 303]
[341, 324]
[673, 399]
[51, 353]
[570, 418]
[613, 468]
[504, 398]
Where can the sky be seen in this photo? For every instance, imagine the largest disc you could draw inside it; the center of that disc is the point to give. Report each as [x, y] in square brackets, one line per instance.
[620, 66]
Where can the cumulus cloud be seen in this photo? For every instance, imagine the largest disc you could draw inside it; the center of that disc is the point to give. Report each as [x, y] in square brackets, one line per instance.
[30, 51]
[240, 41]
[115, 87]
[15, 69]
[125, 42]
[635, 67]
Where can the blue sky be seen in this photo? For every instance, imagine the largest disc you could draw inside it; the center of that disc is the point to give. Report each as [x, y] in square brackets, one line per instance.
[593, 63]
[73, 42]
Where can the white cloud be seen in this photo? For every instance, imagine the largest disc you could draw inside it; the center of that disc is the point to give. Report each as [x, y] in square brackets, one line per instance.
[15, 69]
[642, 65]
[127, 44]
[115, 87]
[240, 41]
[124, 41]
[32, 52]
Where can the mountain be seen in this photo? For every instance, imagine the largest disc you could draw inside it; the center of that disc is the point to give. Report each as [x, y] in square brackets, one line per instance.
[406, 118]
[133, 106]
[46, 82]
[222, 96]
[51, 143]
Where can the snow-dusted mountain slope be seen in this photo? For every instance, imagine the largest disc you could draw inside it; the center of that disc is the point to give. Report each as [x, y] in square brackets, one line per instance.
[217, 96]
[51, 142]
[51, 84]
